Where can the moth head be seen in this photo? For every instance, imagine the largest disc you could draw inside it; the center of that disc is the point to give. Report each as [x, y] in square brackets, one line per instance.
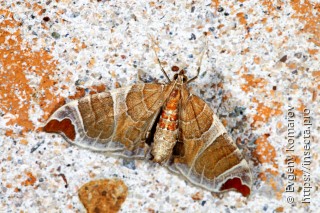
[180, 75]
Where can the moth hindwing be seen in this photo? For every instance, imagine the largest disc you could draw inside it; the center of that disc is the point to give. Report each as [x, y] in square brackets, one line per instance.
[188, 138]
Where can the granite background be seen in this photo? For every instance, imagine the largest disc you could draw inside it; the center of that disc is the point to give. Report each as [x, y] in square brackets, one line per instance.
[262, 60]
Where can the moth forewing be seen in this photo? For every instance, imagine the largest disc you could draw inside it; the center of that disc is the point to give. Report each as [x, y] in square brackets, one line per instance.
[132, 111]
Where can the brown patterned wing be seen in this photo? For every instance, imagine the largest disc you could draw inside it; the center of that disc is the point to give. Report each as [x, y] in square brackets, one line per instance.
[205, 155]
[116, 121]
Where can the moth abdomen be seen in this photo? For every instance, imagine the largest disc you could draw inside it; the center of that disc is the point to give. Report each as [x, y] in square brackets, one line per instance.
[167, 129]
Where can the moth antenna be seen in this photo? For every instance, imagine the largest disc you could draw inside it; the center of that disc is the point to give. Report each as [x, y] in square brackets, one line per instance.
[159, 62]
[199, 62]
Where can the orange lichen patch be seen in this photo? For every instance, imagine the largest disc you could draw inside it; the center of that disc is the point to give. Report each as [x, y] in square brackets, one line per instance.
[252, 82]
[113, 74]
[78, 45]
[279, 194]
[220, 26]
[244, 52]
[264, 21]
[245, 69]
[242, 19]
[38, 9]
[269, 29]
[296, 159]
[313, 51]
[23, 142]
[93, 90]
[18, 61]
[279, 209]
[220, 85]
[92, 174]
[265, 153]
[79, 93]
[56, 106]
[298, 172]
[97, 89]
[314, 93]
[295, 86]
[271, 181]
[256, 60]
[9, 132]
[226, 97]
[30, 180]
[117, 85]
[267, 4]
[309, 14]
[292, 65]
[91, 63]
[197, 196]
[150, 210]
[224, 122]
[279, 125]
[301, 106]
[215, 3]
[152, 4]
[270, 5]
[103, 195]
[264, 113]
[316, 73]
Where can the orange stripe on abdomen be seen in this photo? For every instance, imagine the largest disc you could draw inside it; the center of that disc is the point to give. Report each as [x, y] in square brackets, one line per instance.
[169, 115]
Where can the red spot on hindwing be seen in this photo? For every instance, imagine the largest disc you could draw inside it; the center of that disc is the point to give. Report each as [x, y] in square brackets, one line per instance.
[236, 184]
[65, 126]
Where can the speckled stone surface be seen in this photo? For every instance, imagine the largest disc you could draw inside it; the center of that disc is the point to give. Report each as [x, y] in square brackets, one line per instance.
[261, 75]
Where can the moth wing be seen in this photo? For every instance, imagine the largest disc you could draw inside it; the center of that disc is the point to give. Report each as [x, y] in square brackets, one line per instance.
[116, 121]
[205, 155]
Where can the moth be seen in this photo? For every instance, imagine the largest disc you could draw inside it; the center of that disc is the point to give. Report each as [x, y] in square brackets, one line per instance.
[164, 123]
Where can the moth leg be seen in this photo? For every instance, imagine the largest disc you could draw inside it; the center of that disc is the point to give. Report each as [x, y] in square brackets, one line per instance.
[159, 62]
[199, 62]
